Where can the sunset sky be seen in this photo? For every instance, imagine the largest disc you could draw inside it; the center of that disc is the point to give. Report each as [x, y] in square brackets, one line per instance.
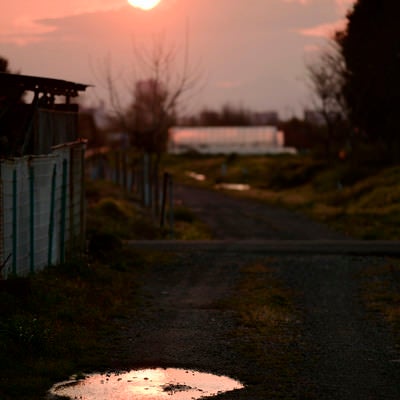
[251, 53]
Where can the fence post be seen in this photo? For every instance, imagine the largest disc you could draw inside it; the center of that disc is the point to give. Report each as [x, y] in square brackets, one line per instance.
[51, 222]
[124, 171]
[63, 211]
[71, 197]
[146, 179]
[164, 198]
[14, 223]
[117, 168]
[32, 217]
[171, 205]
[2, 255]
[82, 201]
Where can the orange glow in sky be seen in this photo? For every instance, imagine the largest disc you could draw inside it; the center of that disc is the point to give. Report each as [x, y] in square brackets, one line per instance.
[144, 4]
[247, 53]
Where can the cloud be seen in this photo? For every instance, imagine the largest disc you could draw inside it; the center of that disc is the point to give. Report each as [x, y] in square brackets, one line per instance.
[324, 30]
[327, 30]
[31, 25]
[344, 5]
[303, 2]
[228, 84]
[23, 30]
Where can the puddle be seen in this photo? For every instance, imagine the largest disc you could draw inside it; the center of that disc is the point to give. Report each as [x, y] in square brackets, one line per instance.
[241, 187]
[196, 176]
[146, 384]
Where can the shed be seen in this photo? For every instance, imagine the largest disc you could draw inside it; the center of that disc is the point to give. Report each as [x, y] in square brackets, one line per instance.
[42, 204]
[36, 114]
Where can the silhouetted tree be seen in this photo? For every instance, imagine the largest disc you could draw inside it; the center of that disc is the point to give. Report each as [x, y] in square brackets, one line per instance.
[88, 129]
[371, 50]
[325, 77]
[4, 65]
[302, 135]
[228, 115]
[151, 116]
[155, 100]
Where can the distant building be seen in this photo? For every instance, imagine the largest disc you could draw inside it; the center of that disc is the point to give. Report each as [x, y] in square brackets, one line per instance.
[226, 140]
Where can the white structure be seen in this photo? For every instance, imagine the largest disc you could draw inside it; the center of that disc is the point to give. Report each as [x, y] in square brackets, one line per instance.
[226, 140]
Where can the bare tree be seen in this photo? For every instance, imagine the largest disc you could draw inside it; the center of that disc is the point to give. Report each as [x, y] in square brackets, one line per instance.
[159, 83]
[325, 77]
[4, 65]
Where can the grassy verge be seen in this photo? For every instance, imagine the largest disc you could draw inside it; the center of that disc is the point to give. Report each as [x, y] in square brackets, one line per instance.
[113, 213]
[52, 330]
[360, 201]
[188, 227]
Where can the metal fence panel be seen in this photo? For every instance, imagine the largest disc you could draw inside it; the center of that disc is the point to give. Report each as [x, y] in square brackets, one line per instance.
[43, 171]
[41, 206]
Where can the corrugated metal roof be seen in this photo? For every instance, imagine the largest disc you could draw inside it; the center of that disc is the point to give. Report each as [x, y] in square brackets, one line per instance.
[38, 84]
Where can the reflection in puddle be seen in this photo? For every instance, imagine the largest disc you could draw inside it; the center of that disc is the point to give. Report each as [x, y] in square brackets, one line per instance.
[196, 176]
[147, 384]
[241, 187]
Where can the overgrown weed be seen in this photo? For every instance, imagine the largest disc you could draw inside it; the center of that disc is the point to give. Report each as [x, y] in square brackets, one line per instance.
[361, 201]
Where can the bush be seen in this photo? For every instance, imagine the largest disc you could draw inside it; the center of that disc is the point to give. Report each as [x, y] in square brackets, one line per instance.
[294, 172]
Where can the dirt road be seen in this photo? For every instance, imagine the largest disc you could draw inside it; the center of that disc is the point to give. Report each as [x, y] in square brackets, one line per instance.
[339, 350]
[232, 218]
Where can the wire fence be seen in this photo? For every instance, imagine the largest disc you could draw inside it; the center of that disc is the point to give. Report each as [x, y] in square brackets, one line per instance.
[137, 174]
[42, 208]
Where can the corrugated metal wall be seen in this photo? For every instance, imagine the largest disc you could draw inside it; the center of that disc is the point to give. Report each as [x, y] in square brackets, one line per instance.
[42, 209]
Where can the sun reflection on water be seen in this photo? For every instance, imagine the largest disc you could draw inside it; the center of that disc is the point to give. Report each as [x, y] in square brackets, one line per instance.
[146, 384]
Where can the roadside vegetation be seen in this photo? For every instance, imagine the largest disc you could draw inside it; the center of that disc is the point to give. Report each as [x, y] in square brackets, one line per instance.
[362, 201]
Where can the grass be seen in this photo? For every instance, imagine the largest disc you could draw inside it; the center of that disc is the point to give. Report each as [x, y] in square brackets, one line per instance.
[188, 227]
[360, 201]
[113, 212]
[268, 332]
[53, 331]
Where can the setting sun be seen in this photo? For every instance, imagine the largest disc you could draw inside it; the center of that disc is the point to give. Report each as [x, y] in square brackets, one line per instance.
[144, 4]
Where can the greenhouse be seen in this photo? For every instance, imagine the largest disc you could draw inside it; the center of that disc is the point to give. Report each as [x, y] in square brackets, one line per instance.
[226, 140]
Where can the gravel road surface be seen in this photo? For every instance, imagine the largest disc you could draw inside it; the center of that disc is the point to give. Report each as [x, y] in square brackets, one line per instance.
[345, 352]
